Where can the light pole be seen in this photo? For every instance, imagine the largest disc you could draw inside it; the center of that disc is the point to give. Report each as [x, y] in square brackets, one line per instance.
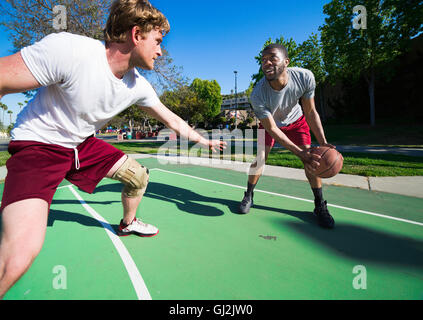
[236, 101]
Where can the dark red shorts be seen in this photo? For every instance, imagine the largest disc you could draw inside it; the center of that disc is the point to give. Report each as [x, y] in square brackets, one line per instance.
[298, 132]
[35, 169]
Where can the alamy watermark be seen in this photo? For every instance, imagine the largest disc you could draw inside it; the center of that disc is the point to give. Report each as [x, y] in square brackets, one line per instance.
[360, 21]
[60, 281]
[242, 146]
[60, 18]
[360, 280]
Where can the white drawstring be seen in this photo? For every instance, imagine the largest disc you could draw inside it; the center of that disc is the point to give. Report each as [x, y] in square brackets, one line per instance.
[76, 159]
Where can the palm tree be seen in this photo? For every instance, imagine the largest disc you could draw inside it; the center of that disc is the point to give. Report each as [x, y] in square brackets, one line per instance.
[10, 112]
[4, 108]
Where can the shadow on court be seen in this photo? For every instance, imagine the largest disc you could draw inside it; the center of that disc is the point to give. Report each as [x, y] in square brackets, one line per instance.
[352, 241]
[79, 203]
[67, 216]
[362, 243]
[59, 215]
[185, 200]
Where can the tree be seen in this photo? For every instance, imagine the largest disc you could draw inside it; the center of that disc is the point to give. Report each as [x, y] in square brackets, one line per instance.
[117, 122]
[186, 103]
[133, 116]
[353, 53]
[310, 56]
[20, 104]
[406, 19]
[10, 112]
[3, 108]
[30, 20]
[249, 90]
[165, 75]
[209, 93]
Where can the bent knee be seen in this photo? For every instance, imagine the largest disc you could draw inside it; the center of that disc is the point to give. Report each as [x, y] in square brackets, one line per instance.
[134, 176]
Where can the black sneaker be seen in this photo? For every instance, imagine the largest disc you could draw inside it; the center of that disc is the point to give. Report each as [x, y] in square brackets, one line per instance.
[246, 203]
[323, 216]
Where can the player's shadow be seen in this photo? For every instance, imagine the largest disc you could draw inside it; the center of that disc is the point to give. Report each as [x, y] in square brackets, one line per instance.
[60, 215]
[354, 241]
[186, 200]
[360, 243]
[305, 216]
[350, 240]
[88, 202]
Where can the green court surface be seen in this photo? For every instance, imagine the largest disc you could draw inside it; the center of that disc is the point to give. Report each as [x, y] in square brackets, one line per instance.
[206, 251]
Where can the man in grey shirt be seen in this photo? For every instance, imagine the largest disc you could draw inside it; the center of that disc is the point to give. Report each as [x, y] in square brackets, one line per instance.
[275, 100]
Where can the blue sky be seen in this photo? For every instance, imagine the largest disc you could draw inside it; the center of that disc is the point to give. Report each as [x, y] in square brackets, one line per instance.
[210, 39]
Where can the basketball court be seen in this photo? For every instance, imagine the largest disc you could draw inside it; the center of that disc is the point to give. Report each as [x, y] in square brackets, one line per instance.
[206, 251]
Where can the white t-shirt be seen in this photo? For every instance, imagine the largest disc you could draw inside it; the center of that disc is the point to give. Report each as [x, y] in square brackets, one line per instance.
[283, 105]
[80, 94]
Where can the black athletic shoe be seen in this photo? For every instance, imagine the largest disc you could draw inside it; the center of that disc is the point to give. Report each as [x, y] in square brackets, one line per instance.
[246, 203]
[323, 216]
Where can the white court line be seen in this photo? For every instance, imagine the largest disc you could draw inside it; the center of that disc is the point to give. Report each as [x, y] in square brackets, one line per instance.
[134, 274]
[295, 198]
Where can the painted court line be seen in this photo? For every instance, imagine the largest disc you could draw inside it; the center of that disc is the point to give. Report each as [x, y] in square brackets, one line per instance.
[295, 198]
[134, 274]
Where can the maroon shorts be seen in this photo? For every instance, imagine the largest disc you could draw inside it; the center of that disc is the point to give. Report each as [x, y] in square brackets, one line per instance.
[35, 169]
[298, 132]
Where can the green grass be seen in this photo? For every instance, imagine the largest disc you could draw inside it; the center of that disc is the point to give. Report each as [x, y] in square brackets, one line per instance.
[4, 155]
[138, 147]
[362, 164]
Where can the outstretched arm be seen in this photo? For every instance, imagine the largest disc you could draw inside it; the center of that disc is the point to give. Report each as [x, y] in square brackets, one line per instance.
[15, 76]
[175, 123]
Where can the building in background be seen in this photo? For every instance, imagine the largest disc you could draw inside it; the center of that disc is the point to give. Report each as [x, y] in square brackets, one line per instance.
[242, 113]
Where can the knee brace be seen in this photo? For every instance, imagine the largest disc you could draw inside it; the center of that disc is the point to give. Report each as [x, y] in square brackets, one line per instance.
[134, 177]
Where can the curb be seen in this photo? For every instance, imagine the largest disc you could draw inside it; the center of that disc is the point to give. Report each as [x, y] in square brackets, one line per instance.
[407, 186]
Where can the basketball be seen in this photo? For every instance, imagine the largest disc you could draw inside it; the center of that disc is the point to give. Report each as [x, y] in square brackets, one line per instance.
[330, 163]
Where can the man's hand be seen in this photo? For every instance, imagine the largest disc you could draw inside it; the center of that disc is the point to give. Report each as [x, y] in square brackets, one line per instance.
[215, 144]
[310, 160]
[327, 145]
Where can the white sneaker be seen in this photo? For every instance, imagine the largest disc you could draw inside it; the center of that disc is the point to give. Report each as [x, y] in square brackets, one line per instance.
[138, 228]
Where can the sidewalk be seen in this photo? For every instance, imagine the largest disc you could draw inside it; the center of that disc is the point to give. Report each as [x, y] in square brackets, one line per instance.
[408, 186]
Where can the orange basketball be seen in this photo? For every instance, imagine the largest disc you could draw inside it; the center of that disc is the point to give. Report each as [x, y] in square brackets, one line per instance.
[330, 163]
